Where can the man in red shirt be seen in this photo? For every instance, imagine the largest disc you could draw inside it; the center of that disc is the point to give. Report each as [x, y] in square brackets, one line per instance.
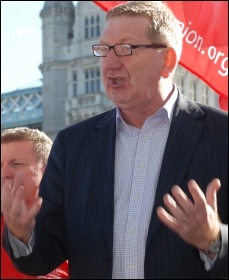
[24, 155]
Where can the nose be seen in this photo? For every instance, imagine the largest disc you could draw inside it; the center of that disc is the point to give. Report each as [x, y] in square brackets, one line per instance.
[111, 61]
[6, 172]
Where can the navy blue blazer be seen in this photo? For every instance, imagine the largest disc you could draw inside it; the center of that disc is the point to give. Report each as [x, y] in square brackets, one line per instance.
[76, 219]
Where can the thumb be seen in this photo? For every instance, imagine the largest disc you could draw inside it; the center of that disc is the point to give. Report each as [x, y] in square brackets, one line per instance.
[211, 193]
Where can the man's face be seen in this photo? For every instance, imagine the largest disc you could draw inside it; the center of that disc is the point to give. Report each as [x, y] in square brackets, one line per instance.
[131, 81]
[19, 167]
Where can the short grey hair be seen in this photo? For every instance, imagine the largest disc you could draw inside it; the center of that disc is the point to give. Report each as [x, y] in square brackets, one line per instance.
[164, 27]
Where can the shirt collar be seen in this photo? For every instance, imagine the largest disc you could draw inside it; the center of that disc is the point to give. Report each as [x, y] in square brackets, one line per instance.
[168, 106]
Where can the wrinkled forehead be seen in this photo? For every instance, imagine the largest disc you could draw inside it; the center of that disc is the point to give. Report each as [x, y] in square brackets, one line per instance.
[125, 28]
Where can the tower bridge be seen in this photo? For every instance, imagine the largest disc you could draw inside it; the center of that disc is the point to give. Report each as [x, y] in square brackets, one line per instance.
[22, 108]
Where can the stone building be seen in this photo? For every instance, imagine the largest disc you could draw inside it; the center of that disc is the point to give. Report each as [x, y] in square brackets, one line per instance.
[72, 89]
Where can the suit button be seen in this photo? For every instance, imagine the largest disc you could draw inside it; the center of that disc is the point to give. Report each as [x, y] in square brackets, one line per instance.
[109, 257]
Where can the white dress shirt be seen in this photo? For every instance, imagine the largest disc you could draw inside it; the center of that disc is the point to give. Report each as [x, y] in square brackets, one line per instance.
[138, 157]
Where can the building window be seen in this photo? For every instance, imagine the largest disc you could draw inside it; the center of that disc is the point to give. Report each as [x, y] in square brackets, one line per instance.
[86, 28]
[74, 84]
[97, 26]
[92, 27]
[193, 90]
[92, 81]
[205, 95]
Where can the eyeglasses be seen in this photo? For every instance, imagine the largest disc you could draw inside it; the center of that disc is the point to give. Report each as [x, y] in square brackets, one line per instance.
[120, 49]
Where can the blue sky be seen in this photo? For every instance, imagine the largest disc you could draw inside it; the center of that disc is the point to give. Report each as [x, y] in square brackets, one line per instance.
[21, 44]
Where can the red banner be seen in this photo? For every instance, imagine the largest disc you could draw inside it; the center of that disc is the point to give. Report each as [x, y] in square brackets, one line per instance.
[205, 37]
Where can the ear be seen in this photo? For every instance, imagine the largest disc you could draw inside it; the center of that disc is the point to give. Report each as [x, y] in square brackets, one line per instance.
[170, 62]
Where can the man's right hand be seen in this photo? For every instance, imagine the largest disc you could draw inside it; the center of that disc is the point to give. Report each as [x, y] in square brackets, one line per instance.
[18, 216]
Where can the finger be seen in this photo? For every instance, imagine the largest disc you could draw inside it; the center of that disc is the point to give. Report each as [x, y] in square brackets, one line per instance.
[18, 202]
[167, 219]
[20, 210]
[19, 180]
[6, 182]
[211, 193]
[22, 226]
[30, 214]
[13, 191]
[173, 207]
[198, 196]
[35, 208]
[183, 200]
[5, 196]
[20, 206]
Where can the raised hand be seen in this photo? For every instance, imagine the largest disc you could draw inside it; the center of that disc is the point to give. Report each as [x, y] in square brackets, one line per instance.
[19, 215]
[197, 221]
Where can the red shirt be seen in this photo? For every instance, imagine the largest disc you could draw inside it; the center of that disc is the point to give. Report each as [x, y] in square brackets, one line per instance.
[8, 271]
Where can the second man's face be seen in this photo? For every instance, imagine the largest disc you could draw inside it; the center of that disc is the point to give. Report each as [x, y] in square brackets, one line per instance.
[19, 167]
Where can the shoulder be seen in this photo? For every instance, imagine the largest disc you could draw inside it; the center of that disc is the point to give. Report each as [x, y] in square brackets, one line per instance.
[89, 125]
[215, 115]
[199, 110]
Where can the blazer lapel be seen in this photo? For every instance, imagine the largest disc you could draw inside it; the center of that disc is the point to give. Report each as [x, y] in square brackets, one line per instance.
[103, 140]
[184, 135]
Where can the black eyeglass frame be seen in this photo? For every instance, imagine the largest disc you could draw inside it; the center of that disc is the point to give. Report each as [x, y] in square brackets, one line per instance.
[152, 46]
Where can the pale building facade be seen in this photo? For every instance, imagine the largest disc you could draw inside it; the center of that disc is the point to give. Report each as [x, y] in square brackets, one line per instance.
[72, 88]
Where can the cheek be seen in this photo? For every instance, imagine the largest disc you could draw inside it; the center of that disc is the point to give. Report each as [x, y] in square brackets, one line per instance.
[31, 185]
[103, 73]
